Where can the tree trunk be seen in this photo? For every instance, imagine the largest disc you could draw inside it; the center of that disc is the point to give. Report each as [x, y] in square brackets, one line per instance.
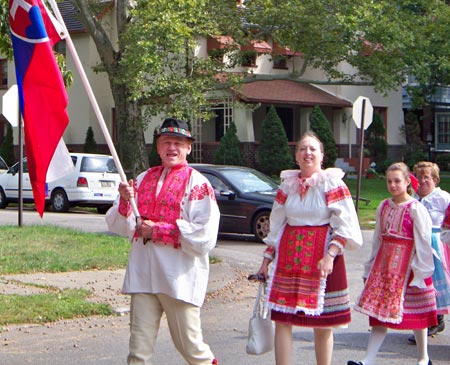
[131, 146]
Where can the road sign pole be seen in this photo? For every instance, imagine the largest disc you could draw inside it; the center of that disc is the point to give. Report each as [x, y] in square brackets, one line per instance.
[361, 154]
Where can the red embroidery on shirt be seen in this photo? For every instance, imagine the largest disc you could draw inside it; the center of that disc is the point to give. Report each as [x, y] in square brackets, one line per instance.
[281, 197]
[199, 192]
[167, 208]
[337, 194]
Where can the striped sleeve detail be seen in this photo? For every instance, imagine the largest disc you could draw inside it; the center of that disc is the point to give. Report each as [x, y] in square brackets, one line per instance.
[281, 197]
[338, 241]
[337, 194]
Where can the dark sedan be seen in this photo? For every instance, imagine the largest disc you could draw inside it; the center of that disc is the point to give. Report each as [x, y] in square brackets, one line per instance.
[245, 197]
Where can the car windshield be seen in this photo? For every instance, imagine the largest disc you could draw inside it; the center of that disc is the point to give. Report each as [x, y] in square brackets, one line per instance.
[98, 164]
[250, 181]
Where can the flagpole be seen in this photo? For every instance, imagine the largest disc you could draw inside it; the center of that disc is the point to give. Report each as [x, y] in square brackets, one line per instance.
[93, 100]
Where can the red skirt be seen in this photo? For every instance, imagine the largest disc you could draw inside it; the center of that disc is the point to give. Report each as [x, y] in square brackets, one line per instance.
[419, 309]
[336, 309]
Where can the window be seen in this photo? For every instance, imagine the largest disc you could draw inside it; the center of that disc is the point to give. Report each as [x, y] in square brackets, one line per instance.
[443, 130]
[280, 62]
[4, 73]
[223, 118]
[248, 59]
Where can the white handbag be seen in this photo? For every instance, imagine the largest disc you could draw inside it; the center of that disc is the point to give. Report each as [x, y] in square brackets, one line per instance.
[260, 328]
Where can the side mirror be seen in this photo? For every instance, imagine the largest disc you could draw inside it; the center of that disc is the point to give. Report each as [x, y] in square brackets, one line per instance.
[228, 193]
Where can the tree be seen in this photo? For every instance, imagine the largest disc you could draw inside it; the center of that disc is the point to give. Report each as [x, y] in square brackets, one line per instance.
[7, 147]
[152, 69]
[228, 152]
[90, 145]
[376, 143]
[414, 149]
[274, 154]
[320, 125]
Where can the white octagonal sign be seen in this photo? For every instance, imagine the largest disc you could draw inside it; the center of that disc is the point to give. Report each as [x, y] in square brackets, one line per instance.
[357, 114]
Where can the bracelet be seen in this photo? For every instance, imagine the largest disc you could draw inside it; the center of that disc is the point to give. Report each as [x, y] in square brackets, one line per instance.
[332, 254]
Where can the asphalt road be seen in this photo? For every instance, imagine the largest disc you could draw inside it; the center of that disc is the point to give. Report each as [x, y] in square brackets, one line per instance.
[225, 318]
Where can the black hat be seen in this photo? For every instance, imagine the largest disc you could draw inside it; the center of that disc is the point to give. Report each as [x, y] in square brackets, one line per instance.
[175, 127]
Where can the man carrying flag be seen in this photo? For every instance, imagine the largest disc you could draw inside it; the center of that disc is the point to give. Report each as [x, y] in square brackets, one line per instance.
[42, 95]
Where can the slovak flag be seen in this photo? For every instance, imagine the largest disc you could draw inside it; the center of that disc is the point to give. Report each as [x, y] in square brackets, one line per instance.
[42, 95]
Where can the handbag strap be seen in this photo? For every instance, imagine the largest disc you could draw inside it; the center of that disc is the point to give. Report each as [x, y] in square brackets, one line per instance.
[257, 305]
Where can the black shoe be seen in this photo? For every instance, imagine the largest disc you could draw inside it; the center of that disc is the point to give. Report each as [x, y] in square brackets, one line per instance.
[351, 362]
[412, 340]
[434, 330]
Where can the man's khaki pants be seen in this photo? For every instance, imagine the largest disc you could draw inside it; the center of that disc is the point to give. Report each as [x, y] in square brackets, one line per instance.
[184, 325]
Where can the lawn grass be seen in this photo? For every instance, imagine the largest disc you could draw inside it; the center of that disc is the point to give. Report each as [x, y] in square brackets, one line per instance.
[39, 248]
[49, 307]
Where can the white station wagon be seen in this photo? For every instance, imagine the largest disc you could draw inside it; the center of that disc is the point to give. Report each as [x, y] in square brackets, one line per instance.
[93, 183]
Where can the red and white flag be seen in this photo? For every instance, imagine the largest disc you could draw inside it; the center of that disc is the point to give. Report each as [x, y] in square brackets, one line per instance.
[42, 95]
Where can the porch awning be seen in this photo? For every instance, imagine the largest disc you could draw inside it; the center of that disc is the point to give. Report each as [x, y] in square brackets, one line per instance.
[289, 92]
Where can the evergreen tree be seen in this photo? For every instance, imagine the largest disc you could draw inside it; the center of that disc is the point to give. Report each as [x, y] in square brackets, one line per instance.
[90, 145]
[320, 125]
[153, 157]
[274, 154]
[7, 147]
[376, 143]
[228, 152]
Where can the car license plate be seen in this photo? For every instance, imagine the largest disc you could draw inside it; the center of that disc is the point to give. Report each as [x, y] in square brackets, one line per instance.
[106, 184]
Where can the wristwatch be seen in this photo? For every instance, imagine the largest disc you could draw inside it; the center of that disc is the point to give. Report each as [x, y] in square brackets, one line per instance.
[332, 254]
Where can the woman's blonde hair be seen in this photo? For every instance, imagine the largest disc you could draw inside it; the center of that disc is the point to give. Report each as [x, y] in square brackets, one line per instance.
[419, 169]
[311, 134]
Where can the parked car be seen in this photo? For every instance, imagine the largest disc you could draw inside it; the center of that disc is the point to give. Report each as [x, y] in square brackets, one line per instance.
[93, 183]
[3, 166]
[245, 197]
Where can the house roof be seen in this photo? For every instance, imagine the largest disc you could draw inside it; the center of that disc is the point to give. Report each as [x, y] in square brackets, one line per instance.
[70, 16]
[289, 92]
[72, 19]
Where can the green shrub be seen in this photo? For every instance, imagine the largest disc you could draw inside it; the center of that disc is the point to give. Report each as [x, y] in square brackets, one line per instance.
[7, 147]
[90, 145]
[274, 154]
[228, 152]
[320, 125]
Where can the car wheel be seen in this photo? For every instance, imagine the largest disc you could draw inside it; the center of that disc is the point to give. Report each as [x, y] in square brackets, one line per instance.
[3, 200]
[60, 202]
[261, 225]
[102, 209]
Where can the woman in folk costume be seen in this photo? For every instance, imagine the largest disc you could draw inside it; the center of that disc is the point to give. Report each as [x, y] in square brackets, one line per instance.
[436, 201]
[398, 291]
[313, 221]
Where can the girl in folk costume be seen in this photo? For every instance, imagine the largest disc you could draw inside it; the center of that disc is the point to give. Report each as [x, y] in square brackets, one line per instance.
[313, 221]
[445, 228]
[398, 291]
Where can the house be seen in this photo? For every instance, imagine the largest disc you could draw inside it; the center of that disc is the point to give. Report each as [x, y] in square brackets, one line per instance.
[246, 106]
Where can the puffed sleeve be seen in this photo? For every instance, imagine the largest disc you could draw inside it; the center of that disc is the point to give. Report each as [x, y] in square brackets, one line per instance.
[278, 217]
[422, 263]
[376, 242]
[445, 228]
[346, 232]
[199, 225]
